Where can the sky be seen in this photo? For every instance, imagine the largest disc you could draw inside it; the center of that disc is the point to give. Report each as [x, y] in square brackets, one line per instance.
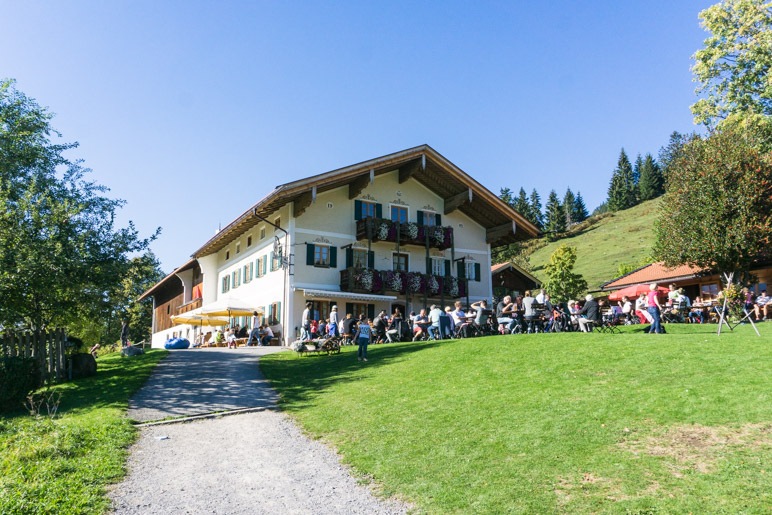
[192, 111]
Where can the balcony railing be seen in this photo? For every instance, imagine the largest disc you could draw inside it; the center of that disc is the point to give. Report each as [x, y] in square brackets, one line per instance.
[410, 233]
[368, 280]
[190, 306]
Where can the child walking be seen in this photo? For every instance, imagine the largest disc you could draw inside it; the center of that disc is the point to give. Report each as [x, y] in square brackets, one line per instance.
[363, 337]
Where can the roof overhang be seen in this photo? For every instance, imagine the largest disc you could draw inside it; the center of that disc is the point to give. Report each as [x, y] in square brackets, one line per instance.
[330, 294]
[459, 191]
[166, 281]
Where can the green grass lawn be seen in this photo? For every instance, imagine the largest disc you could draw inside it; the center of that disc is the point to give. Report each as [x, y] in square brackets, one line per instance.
[621, 237]
[567, 423]
[63, 465]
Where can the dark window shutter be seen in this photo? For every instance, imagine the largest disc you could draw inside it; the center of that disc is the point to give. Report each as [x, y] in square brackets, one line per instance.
[420, 217]
[378, 211]
[349, 309]
[447, 268]
[357, 210]
[370, 259]
[349, 257]
[461, 270]
[371, 311]
[477, 271]
[437, 219]
[309, 254]
[333, 257]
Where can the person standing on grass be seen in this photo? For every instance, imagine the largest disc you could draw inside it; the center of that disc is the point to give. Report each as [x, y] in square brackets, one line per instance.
[363, 337]
[654, 307]
[305, 323]
[125, 333]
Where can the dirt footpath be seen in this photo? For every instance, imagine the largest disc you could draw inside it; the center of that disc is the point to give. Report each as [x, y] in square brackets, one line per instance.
[252, 462]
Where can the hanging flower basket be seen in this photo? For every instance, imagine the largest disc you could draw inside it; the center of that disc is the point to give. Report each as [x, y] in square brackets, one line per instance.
[433, 285]
[415, 282]
[393, 281]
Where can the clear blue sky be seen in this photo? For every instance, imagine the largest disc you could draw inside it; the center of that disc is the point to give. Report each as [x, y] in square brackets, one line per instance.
[192, 111]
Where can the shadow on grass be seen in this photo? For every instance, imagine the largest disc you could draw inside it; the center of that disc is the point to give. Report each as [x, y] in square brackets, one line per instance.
[299, 378]
[116, 381]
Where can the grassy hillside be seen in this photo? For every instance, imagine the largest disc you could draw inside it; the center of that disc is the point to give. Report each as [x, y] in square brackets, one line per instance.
[621, 237]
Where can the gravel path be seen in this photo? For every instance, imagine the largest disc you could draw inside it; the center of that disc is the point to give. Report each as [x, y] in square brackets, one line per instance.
[255, 462]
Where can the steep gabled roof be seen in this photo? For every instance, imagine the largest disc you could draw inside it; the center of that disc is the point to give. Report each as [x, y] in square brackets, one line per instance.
[655, 272]
[422, 163]
[501, 267]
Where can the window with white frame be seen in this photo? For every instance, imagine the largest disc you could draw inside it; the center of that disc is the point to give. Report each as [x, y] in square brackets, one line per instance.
[438, 266]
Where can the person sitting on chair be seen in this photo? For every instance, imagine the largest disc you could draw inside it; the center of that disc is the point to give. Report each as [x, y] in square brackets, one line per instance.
[379, 328]
[762, 304]
[420, 325]
[589, 314]
[504, 314]
[267, 336]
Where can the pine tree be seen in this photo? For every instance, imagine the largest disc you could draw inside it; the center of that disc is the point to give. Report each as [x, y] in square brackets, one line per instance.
[637, 177]
[621, 192]
[506, 195]
[569, 201]
[651, 184]
[521, 204]
[580, 209]
[556, 215]
[534, 213]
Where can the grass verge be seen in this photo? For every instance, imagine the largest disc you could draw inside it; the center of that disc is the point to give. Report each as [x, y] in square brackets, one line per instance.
[566, 423]
[63, 464]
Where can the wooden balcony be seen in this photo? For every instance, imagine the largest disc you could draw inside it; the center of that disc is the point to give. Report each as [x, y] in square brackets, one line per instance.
[190, 306]
[368, 280]
[382, 229]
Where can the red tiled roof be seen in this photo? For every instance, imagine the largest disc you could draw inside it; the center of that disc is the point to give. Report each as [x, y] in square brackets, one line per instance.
[655, 272]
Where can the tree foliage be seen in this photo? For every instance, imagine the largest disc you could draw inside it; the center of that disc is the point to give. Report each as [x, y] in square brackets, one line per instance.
[580, 209]
[60, 253]
[562, 283]
[556, 216]
[719, 201]
[621, 191]
[535, 212]
[733, 68]
[651, 184]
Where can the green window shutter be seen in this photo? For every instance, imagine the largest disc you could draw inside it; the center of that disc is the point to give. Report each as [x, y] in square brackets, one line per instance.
[371, 311]
[461, 270]
[333, 257]
[420, 217]
[378, 211]
[278, 312]
[310, 254]
[349, 257]
[265, 264]
[357, 210]
[437, 219]
[477, 271]
[447, 268]
[370, 259]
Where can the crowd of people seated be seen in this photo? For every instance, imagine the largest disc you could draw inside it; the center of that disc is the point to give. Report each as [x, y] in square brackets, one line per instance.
[528, 313]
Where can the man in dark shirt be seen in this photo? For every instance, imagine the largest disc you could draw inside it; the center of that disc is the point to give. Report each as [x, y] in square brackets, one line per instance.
[348, 327]
[588, 314]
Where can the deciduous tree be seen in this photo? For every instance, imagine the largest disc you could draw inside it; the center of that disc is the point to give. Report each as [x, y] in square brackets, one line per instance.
[719, 201]
[562, 283]
[733, 68]
[60, 253]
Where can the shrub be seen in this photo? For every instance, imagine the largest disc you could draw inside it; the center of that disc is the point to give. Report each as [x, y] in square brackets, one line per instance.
[18, 377]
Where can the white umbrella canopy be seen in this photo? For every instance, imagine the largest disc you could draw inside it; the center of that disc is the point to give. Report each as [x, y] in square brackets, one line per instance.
[230, 307]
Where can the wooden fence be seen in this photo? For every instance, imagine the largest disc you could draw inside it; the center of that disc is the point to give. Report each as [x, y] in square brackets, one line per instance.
[46, 347]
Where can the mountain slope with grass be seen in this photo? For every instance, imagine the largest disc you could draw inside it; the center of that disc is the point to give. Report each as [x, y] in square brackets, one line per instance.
[603, 243]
